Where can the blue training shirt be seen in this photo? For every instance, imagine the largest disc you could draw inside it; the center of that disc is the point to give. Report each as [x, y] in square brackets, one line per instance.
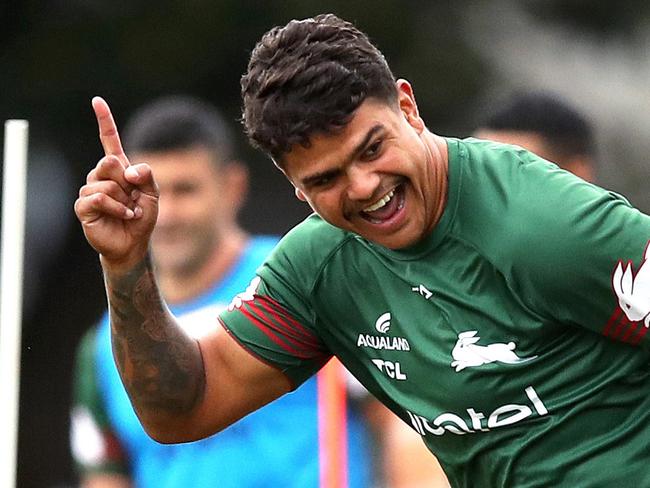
[276, 446]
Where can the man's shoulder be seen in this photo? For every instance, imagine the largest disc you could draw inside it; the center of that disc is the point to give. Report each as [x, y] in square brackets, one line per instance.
[313, 238]
[496, 156]
[510, 174]
[307, 248]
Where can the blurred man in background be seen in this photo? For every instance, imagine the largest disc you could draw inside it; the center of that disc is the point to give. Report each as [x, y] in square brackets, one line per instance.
[546, 125]
[203, 258]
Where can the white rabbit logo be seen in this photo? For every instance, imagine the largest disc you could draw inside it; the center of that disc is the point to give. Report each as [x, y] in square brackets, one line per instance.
[467, 354]
[633, 289]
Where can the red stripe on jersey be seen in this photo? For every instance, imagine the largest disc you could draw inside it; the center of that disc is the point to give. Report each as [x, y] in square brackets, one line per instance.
[275, 325]
[297, 325]
[619, 327]
[275, 322]
[276, 312]
[612, 320]
[295, 328]
[277, 339]
[632, 327]
[640, 335]
[622, 323]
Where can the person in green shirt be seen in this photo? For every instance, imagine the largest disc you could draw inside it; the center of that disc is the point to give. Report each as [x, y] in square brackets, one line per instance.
[496, 303]
[550, 126]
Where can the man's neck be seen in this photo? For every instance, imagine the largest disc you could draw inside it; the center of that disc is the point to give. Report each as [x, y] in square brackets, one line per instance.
[180, 288]
[439, 154]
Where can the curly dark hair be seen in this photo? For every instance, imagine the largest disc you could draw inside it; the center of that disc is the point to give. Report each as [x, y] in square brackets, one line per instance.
[309, 77]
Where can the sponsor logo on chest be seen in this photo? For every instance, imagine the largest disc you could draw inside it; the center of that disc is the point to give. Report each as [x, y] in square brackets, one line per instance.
[468, 354]
[392, 369]
[383, 342]
[477, 421]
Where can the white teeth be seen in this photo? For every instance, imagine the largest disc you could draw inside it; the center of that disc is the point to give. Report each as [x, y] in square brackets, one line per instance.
[382, 201]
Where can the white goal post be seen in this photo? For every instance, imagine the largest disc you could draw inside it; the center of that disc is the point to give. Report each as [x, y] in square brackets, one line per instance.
[14, 190]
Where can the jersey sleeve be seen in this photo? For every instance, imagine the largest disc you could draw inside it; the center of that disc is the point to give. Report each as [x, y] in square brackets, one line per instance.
[95, 447]
[273, 318]
[583, 256]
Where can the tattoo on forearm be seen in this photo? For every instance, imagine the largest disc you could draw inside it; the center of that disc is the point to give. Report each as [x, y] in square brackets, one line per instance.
[160, 366]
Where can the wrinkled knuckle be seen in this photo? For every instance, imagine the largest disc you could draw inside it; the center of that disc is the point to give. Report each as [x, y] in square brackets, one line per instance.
[92, 176]
[82, 208]
[86, 190]
[107, 163]
[115, 189]
[97, 199]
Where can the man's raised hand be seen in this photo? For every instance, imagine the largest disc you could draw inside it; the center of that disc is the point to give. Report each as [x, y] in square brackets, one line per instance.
[118, 205]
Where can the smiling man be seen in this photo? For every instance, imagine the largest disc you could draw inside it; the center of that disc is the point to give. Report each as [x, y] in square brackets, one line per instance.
[386, 179]
[488, 298]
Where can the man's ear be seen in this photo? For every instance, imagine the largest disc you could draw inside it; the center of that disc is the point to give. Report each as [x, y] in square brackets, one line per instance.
[235, 177]
[300, 195]
[582, 166]
[407, 104]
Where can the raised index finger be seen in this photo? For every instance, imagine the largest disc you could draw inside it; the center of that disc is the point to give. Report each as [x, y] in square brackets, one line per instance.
[108, 134]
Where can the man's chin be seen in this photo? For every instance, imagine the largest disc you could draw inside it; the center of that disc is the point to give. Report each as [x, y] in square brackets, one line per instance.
[164, 264]
[394, 241]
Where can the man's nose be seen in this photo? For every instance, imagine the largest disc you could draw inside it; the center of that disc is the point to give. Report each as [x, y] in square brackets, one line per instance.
[362, 182]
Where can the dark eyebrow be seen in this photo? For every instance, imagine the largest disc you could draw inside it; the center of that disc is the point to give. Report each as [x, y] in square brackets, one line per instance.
[362, 145]
[357, 149]
[312, 179]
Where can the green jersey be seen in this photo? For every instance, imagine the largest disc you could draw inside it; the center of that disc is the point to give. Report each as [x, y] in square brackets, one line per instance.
[512, 338]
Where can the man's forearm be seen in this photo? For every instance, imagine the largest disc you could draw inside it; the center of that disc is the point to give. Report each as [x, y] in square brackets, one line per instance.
[160, 366]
